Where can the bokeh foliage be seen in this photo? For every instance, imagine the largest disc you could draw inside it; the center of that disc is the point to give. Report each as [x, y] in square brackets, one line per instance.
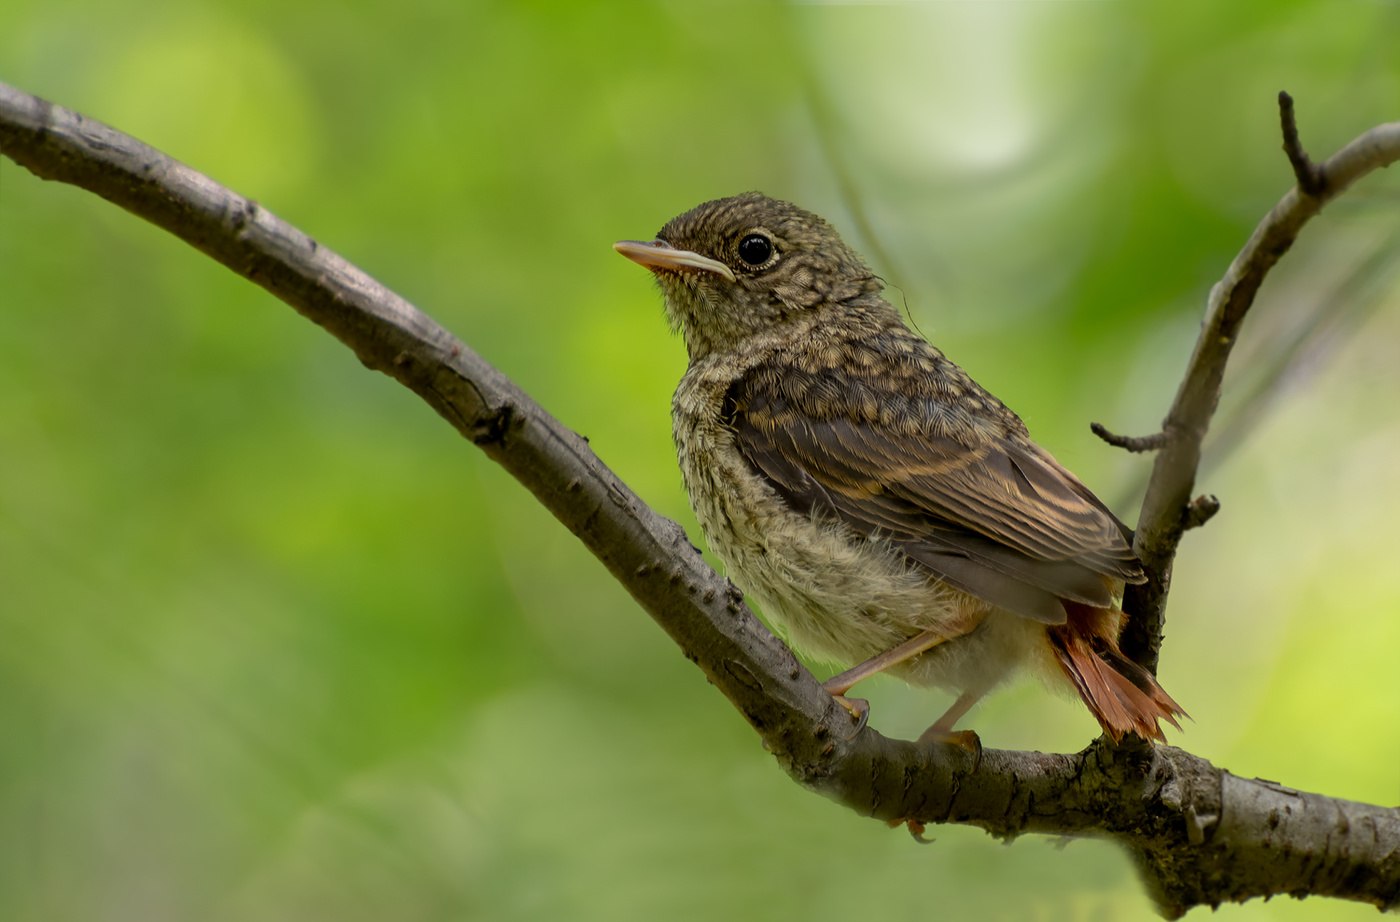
[278, 645]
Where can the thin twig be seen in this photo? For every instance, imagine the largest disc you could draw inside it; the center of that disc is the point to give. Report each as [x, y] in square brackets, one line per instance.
[1311, 177]
[1133, 443]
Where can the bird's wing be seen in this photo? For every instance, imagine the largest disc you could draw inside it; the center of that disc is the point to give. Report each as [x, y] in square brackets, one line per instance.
[991, 514]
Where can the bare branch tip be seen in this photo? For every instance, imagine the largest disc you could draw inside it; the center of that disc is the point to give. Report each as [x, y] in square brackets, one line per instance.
[1309, 175]
[1133, 443]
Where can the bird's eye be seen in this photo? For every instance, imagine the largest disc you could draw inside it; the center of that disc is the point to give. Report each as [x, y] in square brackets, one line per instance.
[755, 249]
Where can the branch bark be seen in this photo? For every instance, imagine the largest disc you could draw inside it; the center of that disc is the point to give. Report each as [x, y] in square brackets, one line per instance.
[1199, 834]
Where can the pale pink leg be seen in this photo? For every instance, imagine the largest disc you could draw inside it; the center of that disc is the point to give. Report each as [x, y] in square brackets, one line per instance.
[838, 685]
[955, 713]
[942, 730]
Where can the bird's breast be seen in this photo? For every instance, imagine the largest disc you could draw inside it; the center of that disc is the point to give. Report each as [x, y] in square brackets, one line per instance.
[835, 595]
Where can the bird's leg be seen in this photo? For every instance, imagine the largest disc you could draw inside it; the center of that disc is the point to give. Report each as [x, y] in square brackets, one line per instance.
[942, 730]
[838, 685]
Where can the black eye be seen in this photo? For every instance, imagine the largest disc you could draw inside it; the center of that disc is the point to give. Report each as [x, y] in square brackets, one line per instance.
[755, 249]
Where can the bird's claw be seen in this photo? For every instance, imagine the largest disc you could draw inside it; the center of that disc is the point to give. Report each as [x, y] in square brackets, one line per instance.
[916, 829]
[858, 708]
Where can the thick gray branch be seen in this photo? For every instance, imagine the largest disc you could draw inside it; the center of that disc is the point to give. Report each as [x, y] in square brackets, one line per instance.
[1199, 834]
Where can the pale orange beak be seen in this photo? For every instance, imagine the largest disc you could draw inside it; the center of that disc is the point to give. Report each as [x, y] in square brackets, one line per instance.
[658, 254]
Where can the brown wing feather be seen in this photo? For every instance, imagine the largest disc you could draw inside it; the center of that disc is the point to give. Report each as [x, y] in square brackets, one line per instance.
[992, 514]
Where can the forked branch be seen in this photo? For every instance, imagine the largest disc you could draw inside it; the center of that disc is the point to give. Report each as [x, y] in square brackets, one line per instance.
[1167, 509]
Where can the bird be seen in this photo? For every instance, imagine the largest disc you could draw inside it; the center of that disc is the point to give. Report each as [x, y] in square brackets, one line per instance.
[883, 509]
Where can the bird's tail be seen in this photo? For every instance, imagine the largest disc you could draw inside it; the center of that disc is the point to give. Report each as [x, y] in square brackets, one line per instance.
[1123, 696]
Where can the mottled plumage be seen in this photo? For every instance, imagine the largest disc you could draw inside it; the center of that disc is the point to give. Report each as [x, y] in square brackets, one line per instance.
[880, 505]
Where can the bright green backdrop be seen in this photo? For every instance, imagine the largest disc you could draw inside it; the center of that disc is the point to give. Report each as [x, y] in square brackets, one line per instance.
[277, 645]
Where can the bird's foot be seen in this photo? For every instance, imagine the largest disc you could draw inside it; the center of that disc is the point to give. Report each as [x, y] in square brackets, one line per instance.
[966, 740]
[858, 708]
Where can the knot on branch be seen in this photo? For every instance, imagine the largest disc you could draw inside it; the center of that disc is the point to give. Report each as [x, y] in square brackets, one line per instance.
[1200, 511]
[491, 427]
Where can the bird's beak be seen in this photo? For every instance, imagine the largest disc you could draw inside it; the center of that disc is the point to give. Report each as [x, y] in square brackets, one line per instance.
[658, 254]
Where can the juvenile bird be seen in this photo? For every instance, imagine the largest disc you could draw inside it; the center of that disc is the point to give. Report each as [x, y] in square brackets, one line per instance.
[882, 508]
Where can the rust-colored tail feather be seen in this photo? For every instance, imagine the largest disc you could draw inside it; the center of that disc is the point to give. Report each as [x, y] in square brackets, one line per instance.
[1124, 697]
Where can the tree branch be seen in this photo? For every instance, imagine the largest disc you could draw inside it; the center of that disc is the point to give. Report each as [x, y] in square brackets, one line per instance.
[1199, 834]
[1166, 512]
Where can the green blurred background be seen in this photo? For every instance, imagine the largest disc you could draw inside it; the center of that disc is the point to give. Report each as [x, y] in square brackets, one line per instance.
[279, 645]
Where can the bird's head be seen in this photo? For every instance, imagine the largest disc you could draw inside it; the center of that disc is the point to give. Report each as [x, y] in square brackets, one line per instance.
[741, 266]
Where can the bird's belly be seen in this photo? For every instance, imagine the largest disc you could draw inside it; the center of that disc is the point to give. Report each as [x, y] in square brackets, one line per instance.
[834, 595]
